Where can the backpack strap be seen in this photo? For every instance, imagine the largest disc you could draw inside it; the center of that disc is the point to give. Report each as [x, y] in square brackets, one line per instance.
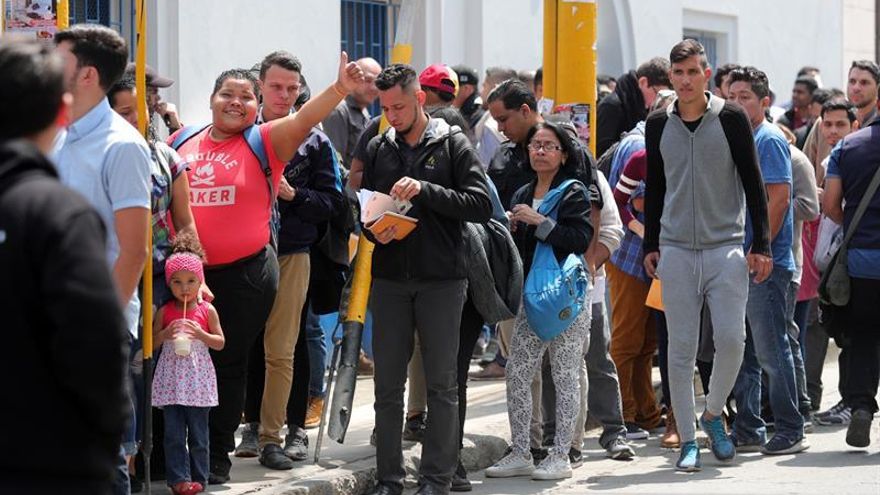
[551, 200]
[254, 139]
[187, 133]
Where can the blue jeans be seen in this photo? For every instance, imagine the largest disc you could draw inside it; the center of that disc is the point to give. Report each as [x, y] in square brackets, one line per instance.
[186, 426]
[317, 353]
[767, 348]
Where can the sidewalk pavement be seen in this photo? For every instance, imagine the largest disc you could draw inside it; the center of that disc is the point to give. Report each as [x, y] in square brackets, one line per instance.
[349, 469]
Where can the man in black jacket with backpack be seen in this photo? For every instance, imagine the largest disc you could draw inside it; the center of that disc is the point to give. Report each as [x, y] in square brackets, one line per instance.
[419, 282]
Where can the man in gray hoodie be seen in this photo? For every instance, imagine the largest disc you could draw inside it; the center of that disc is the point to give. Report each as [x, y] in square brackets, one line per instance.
[702, 177]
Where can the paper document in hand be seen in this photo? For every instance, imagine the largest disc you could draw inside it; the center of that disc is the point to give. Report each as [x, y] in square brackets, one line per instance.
[380, 211]
[374, 204]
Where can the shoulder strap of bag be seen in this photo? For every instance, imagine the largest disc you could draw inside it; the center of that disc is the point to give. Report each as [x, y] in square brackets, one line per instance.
[187, 133]
[550, 205]
[863, 206]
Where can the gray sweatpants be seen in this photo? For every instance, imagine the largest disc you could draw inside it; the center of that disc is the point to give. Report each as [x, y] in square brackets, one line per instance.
[720, 278]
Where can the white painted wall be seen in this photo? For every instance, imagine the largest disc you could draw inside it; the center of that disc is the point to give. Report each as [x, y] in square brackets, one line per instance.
[192, 41]
[778, 37]
[479, 33]
[198, 39]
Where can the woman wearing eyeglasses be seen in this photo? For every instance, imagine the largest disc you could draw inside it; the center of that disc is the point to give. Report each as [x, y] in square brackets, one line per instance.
[552, 159]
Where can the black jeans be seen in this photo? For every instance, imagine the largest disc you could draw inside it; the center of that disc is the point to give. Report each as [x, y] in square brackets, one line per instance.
[433, 309]
[298, 403]
[471, 326]
[243, 295]
[863, 335]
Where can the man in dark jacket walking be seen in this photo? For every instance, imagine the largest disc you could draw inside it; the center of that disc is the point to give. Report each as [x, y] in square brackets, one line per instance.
[419, 282]
[63, 361]
[634, 94]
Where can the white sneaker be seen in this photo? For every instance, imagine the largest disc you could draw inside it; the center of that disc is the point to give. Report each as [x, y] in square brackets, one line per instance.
[513, 464]
[553, 467]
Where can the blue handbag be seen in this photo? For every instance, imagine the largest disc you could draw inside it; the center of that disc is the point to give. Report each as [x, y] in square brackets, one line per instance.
[554, 293]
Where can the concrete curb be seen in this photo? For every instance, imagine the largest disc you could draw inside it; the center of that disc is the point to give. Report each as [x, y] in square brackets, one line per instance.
[479, 452]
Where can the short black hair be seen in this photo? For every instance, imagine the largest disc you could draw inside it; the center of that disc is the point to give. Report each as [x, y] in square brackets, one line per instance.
[656, 71]
[451, 115]
[281, 58]
[757, 79]
[402, 75]
[867, 65]
[31, 87]
[305, 93]
[722, 71]
[497, 73]
[125, 83]
[807, 81]
[443, 95]
[839, 104]
[243, 74]
[513, 93]
[539, 76]
[99, 47]
[807, 70]
[528, 77]
[821, 95]
[605, 79]
[571, 165]
[686, 49]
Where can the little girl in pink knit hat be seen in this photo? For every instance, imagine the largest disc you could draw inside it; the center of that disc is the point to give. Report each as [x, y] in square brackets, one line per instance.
[185, 384]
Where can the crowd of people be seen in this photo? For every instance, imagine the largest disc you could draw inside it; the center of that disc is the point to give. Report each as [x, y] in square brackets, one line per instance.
[738, 208]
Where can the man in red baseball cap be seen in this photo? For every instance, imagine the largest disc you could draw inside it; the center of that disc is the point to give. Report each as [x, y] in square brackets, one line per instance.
[440, 84]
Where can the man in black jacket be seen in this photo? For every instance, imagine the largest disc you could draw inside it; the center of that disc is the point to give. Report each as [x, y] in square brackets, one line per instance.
[64, 357]
[419, 282]
[629, 103]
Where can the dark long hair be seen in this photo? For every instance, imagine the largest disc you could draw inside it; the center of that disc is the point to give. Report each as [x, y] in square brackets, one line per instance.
[568, 168]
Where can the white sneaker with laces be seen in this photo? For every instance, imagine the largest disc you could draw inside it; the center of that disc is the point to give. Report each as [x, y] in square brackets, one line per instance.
[553, 467]
[513, 464]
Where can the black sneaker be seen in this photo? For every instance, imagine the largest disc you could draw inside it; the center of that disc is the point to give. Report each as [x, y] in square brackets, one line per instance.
[858, 434]
[218, 478]
[575, 458]
[635, 432]
[414, 430]
[460, 481]
[136, 484]
[273, 457]
[538, 455]
[779, 445]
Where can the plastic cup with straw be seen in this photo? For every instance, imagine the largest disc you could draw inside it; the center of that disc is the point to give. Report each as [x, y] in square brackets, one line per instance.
[182, 343]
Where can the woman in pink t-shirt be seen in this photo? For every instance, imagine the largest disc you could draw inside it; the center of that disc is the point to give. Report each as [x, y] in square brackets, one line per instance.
[232, 205]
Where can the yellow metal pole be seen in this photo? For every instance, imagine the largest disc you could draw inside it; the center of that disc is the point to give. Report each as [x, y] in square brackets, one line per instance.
[550, 46]
[401, 53]
[145, 415]
[62, 14]
[570, 56]
[143, 120]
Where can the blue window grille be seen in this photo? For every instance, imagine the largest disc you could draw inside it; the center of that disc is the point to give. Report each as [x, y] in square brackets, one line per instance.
[368, 31]
[110, 13]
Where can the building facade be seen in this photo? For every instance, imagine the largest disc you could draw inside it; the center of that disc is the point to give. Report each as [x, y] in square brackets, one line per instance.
[192, 41]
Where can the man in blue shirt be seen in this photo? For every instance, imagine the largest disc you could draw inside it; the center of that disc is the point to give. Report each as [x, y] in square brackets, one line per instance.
[767, 346]
[103, 157]
[851, 168]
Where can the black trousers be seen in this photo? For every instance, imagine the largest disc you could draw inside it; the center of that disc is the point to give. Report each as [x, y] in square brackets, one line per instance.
[863, 353]
[470, 328]
[433, 309]
[298, 403]
[243, 295]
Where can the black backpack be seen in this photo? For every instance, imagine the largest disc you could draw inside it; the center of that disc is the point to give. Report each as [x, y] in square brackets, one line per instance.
[329, 256]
